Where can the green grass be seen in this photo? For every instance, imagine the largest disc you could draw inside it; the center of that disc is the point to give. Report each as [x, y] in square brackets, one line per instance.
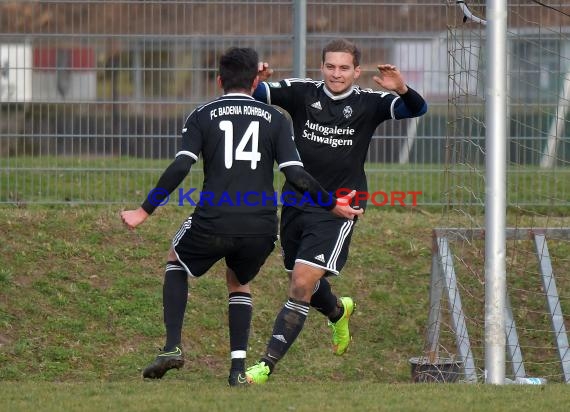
[80, 316]
[87, 180]
[208, 395]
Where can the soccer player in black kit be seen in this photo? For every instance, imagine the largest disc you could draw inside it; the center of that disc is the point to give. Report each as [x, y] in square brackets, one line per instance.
[334, 121]
[239, 139]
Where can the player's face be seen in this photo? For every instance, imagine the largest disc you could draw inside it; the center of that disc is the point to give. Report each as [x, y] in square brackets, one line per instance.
[339, 72]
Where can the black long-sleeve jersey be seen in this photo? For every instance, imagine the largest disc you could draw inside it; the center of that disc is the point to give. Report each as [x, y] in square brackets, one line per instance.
[239, 139]
[333, 132]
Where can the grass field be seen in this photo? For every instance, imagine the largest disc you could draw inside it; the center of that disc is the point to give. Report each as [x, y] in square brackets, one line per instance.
[80, 316]
[104, 180]
[207, 395]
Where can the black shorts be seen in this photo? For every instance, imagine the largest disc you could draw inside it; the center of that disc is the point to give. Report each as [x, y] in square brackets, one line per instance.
[315, 237]
[197, 251]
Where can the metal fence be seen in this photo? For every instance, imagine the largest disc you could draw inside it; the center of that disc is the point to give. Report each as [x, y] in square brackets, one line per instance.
[93, 93]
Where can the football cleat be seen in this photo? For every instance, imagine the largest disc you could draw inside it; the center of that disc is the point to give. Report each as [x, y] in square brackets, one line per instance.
[237, 378]
[173, 359]
[340, 333]
[258, 373]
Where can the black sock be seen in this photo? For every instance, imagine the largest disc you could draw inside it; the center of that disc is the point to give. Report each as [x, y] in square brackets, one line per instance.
[325, 301]
[239, 321]
[337, 314]
[287, 326]
[174, 299]
[238, 364]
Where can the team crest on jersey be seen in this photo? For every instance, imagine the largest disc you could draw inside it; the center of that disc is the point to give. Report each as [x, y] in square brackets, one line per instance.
[274, 84]
[347, 112]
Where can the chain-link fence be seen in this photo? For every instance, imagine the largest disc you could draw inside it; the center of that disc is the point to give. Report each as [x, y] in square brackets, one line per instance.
[93, 93]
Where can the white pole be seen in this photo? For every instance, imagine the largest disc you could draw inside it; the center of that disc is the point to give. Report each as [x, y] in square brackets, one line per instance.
[495, 191]
[557, 126]
[411, 135]
[300, 39]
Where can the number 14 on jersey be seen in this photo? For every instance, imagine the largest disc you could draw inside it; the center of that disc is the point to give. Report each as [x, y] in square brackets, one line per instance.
[251, 133]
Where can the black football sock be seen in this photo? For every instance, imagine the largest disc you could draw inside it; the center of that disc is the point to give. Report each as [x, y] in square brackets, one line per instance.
[325, 301]
[335, 317]
[174, 300]
[287, 326]
[239, 320]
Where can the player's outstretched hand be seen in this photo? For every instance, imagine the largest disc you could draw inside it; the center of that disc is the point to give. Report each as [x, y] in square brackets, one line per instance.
[263, 71]
[133, 218]
[390, 78]
[343, 208]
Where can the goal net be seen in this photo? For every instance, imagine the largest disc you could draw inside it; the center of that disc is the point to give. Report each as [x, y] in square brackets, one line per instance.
[538, 195]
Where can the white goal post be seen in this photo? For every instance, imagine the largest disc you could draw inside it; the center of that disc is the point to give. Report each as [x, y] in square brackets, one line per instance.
[507, 149]
[446, 287]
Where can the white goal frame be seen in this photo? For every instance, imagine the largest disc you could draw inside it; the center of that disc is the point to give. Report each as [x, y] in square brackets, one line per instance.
[444, 281]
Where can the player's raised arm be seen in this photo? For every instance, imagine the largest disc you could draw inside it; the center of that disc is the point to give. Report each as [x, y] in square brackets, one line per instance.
[260, 92]
[411, 103]
[390, 78]
[264, 72]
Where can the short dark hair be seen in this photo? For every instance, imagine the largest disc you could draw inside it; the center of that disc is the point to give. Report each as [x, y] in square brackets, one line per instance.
[238, 68]
[343, 45]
